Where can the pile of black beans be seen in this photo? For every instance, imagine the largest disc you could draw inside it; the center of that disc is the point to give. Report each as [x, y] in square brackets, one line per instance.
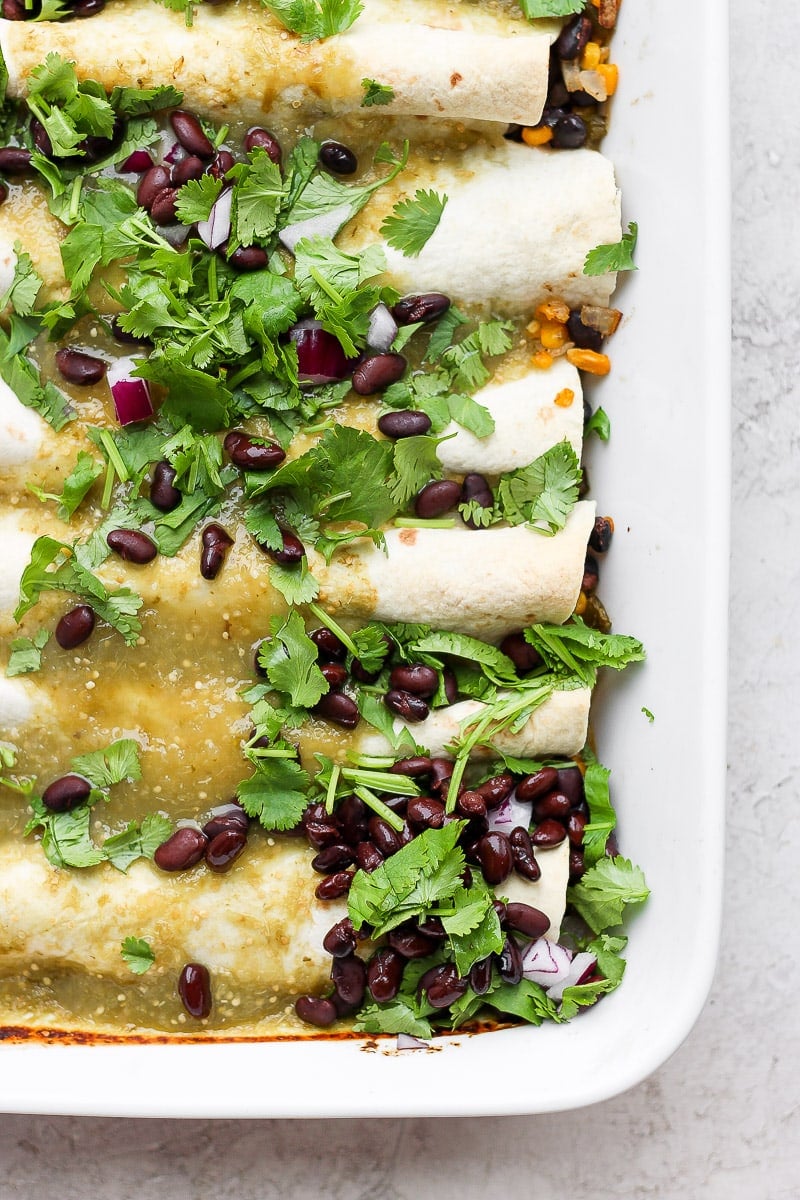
[220, 842]
[354, 837]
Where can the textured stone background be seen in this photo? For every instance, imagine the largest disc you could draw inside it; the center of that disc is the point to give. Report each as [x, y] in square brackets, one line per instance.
[721, 1120]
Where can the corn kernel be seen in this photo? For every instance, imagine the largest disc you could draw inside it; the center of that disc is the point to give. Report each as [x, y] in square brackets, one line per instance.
[553, 335]
[533, 328]
[553, 310]
[542, 360]
[609, 72]
[580, 607]
[589, 360]
[590, 57]
[564, 398]
[538, 136]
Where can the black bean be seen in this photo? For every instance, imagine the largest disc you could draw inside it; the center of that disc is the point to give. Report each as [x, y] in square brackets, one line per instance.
[132, 545]
[162, 209]
[189, 133]
[335, 675]
[385, 974]
[570, 782]
[577, 866]
[450, 685]
[500, 909]
[41, 138]
[437, 498]
[222, 164]
[163, 493]
[496, 789]
[80, 368]
[249, 258]
[15, 10]
[328, 644]
[423, 812]
[3, 193]
[375, 374]
[353, 817]
[583, 100]
[151, 183]
[384, 837]
[258, 138]
[509, 962]
[576, 823]
[554, 804]
[410, 943]
[291, 552]
[322, 833]
[75, 627]
[415, 678]
[368, 857]
[333, 859]
[601, 535]
[495, 857]
[428, 306]
[403, 423]
[349, 976]
[250, 455]
[521, 653]
[315, 1010]
[339, 708]
[420, 764]
[446, 987]
[527, 919]
[475, 489]
[223, 850]
[188, 168]
[471, 804]
[316, 812]
[591, 574]
[194, 989]
[216, 543]
[338, 158]
[14, 160]
[334, 886]
[571, 42]
[549, 833]
[340, 938]
[88, 8]
[66, 793]
[582, 335]
[406, 705]
[533, 787]
[234, 818]
[363, 676]
[570, 132]
[184, 848]
[441, 771]
[525, 863]
[480, 976]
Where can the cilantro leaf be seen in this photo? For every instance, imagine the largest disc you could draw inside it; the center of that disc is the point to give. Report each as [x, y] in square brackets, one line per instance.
[290, 660]
[138, 954]
[313, 20]
[526, 1000]
[598, 423]
[578, 650]
[464, 360]
[376, 93]
[296, 585]
[137, 841]
[428, 869]
[413, 221]
[66, 840]
[257, 199]
[473, 926]
[543, 493]
[25, 285]
[118, 607]
[602, 894]
[23, 378]
[111, 765]
[397, 1016]
[533, 9]
[415, 464]
[76, 486]
[602, 817]
[471, 415]
[196, 198]
[500, 667]
[615, 257]
[277, 793]
[26, 654]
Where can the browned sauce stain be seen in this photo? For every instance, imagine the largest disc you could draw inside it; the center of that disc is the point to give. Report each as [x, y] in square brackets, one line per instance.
[408, 537]
[455, 79]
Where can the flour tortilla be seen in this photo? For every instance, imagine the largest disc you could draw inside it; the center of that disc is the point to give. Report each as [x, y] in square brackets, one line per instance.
[558, 726]
[238, 62]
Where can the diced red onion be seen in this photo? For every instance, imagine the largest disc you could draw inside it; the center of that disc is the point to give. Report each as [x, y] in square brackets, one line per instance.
[320, 357]
[508, 815]
[545, 962]
[579, 971]
[406, 1041]
[382, 328]
[171, 151]
[132, 399]
[325, 225]
[137, 163]
[217, 228]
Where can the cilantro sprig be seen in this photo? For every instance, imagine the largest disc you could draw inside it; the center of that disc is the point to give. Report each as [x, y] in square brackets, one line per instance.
[314, 20]
[617, 256]
[413, 221]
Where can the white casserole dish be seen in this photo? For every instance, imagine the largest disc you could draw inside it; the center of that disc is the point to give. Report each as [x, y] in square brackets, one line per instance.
[664, 476]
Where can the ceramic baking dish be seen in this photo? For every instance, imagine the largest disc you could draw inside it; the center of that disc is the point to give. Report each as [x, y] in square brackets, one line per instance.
[664, 477]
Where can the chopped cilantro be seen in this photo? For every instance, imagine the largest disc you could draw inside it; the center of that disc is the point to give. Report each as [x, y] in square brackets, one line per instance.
[290, 659]
[196, 198]
[107, 767]
[23, 378]
[25, 285]
[376, 93]
[598, 423]
[296, 585]
[76, 486]
[66, 840]
[602, 894]
[313, 20]
[577, 650]
[615, 257]
[276, 794]
[413, 221]
[26, 654]
[650, 716]
[138, 954]
[534, 9]
[543, 493]
[137, 841]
